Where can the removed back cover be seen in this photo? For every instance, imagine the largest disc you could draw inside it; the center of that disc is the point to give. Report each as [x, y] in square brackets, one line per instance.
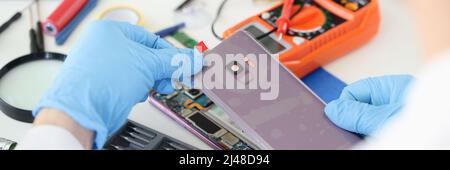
[290, 117]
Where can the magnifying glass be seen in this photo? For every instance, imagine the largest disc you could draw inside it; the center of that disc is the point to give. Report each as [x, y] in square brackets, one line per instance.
[24, 80]
[123, 14]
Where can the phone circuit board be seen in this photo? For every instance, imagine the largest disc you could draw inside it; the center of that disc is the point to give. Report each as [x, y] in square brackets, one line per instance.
[196, 109]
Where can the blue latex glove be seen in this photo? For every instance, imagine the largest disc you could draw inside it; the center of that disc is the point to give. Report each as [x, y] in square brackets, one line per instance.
[112, 67]
[366, 105]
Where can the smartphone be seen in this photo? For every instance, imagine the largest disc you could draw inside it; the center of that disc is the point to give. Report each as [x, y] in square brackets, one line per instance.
[261, 104]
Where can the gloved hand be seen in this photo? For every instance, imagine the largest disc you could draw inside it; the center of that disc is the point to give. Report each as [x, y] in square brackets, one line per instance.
[366, 105]
[112, 67]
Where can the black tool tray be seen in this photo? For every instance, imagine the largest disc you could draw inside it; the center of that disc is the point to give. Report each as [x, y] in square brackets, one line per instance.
[134, 136]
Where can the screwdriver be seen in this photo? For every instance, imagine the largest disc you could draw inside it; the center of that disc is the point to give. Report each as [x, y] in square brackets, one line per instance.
[176, 146]
[118, 147]
[137, 136]
[132, 141]
[14, 18]
[36, 36]
[142, 132]
[39, 31]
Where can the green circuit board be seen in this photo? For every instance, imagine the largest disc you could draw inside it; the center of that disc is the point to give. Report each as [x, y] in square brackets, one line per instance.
[196, 109]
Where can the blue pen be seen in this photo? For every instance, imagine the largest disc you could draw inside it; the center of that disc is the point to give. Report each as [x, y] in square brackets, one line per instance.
[62, 36]
[171, 30]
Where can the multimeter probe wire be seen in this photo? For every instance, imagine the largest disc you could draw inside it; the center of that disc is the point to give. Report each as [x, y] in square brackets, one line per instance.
[219, 12]
[302, 5]
[222, 5]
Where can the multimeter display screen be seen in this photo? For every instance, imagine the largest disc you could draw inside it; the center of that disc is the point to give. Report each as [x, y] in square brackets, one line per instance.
[273, 46]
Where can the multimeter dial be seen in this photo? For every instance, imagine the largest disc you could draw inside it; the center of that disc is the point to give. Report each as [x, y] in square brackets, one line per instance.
[319, 31]
[311, 22]
[353, 5]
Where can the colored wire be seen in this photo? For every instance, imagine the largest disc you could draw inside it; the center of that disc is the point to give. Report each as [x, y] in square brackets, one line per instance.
[219, 12]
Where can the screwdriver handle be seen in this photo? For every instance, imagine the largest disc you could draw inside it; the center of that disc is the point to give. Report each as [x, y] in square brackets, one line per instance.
[13, 19]
[40, 37]
[33, 42]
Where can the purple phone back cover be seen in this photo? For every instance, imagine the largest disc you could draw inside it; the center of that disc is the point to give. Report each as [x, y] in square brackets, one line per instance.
[295, 120]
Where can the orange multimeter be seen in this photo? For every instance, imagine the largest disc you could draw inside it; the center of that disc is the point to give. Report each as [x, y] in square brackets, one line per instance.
[321, 32]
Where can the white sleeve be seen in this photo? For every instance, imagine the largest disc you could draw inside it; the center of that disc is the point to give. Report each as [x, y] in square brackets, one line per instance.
[49, 138]
[424, 123]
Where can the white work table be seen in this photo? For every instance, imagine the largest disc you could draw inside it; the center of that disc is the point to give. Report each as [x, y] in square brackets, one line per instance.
[393, 51]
